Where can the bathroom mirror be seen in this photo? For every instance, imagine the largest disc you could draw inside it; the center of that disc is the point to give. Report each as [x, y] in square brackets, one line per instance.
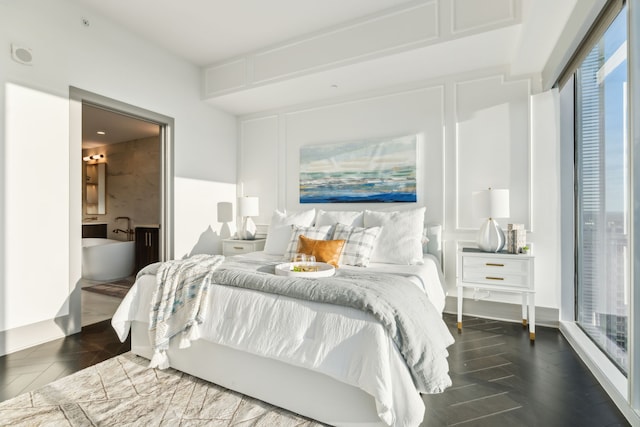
[95, 189]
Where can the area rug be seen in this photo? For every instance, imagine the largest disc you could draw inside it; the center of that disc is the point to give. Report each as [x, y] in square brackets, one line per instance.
[122, 391]
[114, 289]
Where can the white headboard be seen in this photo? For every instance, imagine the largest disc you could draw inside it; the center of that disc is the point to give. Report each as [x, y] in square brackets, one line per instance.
[434, 245]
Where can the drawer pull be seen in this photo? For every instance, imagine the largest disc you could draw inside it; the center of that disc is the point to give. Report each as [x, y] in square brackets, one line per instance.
[494, 278]
[491, 264]
[238, 247]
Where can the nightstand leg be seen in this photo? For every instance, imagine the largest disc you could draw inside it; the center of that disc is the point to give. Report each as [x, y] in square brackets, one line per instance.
[524, 310]
[532, 317]
[460, 309]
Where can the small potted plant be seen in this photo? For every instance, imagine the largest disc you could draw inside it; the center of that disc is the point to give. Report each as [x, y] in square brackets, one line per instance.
[525, 250]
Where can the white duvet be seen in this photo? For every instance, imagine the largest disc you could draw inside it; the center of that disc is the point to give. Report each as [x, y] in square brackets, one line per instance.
[343, 343]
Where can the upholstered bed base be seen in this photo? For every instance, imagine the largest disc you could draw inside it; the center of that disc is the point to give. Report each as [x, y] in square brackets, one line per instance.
[296, 389]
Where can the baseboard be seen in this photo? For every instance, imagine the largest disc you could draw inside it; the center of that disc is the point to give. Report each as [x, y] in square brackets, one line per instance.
[502, 311]
[17, 339]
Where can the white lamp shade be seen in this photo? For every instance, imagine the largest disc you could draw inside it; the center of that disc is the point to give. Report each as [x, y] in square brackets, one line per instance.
[491, 203]
[248, 206]
[225, 211]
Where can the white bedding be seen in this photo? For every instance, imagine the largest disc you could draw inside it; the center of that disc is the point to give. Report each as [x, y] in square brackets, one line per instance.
[343, 343]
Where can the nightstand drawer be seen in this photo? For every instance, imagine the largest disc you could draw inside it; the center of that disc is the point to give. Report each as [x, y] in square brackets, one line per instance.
[495, 266]
[236, 247]
[495, 278]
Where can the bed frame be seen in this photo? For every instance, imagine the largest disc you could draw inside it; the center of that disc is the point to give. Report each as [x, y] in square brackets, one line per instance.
[299, 390]
[296, 389]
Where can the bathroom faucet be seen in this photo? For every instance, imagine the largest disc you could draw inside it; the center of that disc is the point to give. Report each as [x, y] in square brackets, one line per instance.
[128, 231]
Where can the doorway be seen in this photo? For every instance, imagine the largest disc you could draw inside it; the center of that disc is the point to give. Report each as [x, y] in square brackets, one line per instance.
[135, 147]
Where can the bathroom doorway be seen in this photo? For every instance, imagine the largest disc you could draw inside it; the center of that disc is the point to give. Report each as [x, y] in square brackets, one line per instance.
[126, 175]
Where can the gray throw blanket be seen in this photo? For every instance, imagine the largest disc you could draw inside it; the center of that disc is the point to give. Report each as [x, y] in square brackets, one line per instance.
[179, 302]
[415, 326]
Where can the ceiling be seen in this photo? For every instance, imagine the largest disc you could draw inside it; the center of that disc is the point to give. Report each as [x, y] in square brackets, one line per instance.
[206, 32]
[116, 127]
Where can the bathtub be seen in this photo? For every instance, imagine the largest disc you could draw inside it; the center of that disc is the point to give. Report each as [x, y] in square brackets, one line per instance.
[105, 259]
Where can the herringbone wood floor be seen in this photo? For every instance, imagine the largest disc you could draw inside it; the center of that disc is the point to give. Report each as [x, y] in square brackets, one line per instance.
[37, 366]
[499, 377]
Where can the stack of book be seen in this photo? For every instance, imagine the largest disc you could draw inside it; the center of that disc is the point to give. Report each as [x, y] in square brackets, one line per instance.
[516, 238]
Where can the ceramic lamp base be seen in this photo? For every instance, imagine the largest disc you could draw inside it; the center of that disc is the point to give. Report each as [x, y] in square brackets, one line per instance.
[490, 237]
[248, 230]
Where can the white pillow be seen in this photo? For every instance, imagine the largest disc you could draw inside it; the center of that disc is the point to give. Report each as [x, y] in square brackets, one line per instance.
[280, 229]
[358, 245]
[400, 241]
[352, 218]
[315, 233]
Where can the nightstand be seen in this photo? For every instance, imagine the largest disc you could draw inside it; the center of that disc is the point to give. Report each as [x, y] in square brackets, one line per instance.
[499, 272]
[235, 247]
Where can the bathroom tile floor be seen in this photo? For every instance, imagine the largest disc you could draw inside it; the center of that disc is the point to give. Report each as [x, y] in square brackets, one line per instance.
[98, 307]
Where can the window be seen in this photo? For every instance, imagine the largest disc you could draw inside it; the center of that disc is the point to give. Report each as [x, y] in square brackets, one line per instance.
[602, 193]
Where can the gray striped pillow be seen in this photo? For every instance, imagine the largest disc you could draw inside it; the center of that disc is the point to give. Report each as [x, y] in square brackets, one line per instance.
[358, 244]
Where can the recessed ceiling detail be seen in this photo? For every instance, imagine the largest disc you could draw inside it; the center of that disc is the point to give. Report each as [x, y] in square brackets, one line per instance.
[400, 45]
[284, 51]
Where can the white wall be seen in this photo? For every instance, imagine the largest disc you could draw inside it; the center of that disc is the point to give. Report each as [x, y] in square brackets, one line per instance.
[39, 197]
[546, 206]
[476, 130]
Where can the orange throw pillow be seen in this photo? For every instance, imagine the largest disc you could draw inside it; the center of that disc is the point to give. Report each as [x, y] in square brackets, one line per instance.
[324, 250]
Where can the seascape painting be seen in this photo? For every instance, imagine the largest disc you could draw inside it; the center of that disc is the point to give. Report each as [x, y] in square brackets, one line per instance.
[378, 171]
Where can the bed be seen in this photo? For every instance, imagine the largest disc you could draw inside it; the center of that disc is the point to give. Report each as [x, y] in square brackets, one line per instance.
[335, 364]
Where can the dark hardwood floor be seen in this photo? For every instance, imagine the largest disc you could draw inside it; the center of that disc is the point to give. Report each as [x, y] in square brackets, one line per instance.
[499, 377]
[37, 366]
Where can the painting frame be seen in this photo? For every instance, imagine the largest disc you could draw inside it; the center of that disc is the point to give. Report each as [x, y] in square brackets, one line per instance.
[382, 170]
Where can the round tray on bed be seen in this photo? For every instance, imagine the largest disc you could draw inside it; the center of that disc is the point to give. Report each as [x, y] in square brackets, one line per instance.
[318, 269]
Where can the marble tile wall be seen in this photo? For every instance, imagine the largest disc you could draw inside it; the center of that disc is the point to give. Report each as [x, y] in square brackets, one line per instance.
[133, 184]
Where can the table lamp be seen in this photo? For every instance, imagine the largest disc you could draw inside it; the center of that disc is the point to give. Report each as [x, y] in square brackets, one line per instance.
[491, 204]
[247, 207]
[225, 216]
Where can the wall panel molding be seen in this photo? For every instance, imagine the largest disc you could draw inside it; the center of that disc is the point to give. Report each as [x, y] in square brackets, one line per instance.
[436, 105]
[227, 76]
[328, 48]
[362, 98]
[473, 15]
[258, 157]
[428, 126]
[495, 116]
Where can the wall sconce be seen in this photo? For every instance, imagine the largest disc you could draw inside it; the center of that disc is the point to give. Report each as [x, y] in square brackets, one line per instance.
[247, 207]
[490, 204]
[93, 157]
